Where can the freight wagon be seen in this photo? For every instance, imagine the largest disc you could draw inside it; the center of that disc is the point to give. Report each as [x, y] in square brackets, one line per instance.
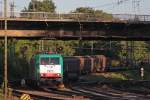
[75, 66]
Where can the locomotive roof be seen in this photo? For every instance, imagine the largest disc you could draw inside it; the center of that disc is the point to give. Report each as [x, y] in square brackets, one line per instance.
[46, 55]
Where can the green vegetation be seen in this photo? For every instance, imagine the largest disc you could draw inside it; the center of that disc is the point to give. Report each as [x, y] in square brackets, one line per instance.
[98, 14]
[1, 95]
[110, 76]
[40, 6]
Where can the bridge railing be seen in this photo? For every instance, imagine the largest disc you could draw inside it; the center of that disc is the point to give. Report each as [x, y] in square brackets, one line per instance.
[132, 17]
[54, 16]
[57, 16]
[76, 16]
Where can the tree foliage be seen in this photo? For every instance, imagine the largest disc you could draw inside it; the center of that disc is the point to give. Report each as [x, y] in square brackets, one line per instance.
[40, 6]
[98, 14]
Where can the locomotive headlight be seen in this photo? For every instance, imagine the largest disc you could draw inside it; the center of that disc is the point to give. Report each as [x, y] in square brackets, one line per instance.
[41, 74]
[58, 75]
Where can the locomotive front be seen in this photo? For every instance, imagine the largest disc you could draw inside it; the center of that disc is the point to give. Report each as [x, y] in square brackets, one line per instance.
[50, 66]
[46, 68]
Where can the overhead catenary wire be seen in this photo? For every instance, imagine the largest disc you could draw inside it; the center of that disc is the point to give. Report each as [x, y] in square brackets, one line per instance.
[112, 4]
[135, 5]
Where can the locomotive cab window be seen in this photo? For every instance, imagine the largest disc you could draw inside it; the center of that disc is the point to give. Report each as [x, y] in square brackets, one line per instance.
[44, 61]
[54, 61]
[48, 61]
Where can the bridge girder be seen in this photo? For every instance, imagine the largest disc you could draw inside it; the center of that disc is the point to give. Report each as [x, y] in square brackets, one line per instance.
[66, 30]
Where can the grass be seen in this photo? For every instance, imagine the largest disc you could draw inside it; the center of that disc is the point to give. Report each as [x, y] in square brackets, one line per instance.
[1, 95]
[122, 75]
[9, 96]
[135, 74]
[147, 72]
[103, 77]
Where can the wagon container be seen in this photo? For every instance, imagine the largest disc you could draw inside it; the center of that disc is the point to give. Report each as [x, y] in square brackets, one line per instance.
[100, 62]
[93, 64]
[85, 64]
[71, 67]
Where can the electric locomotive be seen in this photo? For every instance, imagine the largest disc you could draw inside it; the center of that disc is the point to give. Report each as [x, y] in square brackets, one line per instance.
[46, 67]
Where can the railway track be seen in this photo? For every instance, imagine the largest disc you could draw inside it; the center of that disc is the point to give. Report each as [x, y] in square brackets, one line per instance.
[46, 94]
[111, 94]
[96, 91]
[91, 91]
[116, 90]
[76, 93]
[33, 96]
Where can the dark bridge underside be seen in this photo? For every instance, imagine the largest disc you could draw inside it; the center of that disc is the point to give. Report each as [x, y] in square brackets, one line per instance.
[76, 30]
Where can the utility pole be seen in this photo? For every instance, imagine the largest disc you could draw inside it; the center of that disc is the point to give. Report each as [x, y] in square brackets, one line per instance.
[5, 59]
[33, 1]
[42, 45]
[136, 7]
[12, 9]
[1, 9]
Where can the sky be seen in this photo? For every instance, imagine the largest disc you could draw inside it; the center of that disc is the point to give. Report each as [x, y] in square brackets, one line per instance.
[110, 6]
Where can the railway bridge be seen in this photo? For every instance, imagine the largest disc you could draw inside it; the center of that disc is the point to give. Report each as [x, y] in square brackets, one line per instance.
[76, 26]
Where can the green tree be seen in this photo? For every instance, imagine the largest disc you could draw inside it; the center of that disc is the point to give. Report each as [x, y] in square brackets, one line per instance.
[84, 10]
[66, 45]
[40, 6]
[97, 14]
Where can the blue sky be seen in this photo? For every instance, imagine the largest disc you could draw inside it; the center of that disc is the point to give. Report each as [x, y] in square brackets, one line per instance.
[110, 6]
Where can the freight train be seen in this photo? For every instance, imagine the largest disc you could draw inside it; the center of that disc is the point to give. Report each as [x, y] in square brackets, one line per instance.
[55, 67]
